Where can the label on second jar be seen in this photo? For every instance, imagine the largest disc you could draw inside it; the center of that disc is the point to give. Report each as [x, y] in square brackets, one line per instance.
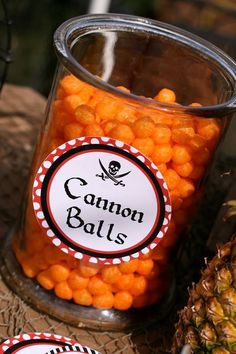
[101, 200]
[43, 343]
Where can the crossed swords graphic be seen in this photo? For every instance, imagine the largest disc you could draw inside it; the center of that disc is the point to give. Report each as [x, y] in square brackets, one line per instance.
[106, 175]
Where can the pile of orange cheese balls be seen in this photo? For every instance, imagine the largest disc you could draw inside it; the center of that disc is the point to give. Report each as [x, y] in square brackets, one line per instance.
[180, 145]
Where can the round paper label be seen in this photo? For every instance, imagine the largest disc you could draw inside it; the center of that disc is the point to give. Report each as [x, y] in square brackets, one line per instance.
[101, 200]
[42, 343]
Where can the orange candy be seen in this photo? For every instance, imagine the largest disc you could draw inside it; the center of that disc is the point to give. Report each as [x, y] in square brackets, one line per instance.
[162, 154]
[165, 95]
[185, 169]
[181, 154]
[104, 301]
[63, 290]
[145, 266]
[59, 272]
[96, 286]
[71, 102]
[123, 300]
[172, 178]
[45, 280]
[125, 281]
[88, 270]
[82, 297]
[143, 127]
[129, 267]
[85, 115]
[161, 134]
[71, 85]
[93, 130]
[110, 274]
[76, 281]
[139, 285]
[122, 132]
[181, 134]
[73, 130]
[145, 145]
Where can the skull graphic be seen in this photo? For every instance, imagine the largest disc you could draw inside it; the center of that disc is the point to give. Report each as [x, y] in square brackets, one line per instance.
[114, 167]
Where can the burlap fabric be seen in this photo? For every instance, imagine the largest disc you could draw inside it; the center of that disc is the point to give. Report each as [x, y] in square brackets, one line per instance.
[21, 113]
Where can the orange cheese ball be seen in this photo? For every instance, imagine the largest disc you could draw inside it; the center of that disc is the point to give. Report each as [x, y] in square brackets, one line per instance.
[82, 297]
[107, 108]
[125, 281]
[93, 130]
[85, 115]
[123, 300]
[181, 134]
[208, 128]
[139, 285]
[71, 85]
[30, 269]
[59, 272]
[122, 132]
[162, 168]
[162, 154]
[45, 280]
[145, 266]
[88, 270]
[185, 188]
[76, 281]
[63, 290]
[185, 169]
[129, 267]
[172, 178]
[197, 143]
[126, 114]
[143, 127]
[110, 274]
[104, 301]
[161, 134]
[108, 126]
[71, 102]
[165, 95]
[145, 145]
[181, 154]
[96, 286]
[73, 130]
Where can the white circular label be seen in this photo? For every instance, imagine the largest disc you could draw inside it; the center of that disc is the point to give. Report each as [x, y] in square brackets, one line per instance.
[100, 202]
[42, 343]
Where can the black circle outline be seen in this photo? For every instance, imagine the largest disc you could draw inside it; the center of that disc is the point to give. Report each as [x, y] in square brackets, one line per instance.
[32, 341]
[90, 147]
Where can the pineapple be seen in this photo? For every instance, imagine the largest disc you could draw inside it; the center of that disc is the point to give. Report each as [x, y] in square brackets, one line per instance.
[208, 322]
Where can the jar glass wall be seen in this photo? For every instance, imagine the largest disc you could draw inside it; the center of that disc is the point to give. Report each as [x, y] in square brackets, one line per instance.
[150, 88]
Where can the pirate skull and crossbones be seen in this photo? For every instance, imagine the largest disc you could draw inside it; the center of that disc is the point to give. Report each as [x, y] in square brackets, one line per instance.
[111, 173]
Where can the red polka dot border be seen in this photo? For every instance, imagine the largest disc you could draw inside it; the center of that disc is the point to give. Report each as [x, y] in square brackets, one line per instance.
[37, 338]
[69, 145]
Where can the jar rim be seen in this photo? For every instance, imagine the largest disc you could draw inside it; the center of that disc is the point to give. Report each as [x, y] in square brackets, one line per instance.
[74, 28]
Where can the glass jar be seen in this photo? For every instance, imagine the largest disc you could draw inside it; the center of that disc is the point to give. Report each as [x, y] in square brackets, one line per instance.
[135, 114]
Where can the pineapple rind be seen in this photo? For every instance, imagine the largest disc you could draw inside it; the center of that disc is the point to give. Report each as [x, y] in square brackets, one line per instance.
[208, 322]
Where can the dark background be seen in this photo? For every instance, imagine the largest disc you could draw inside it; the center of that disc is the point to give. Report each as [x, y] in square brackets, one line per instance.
[34, 23]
